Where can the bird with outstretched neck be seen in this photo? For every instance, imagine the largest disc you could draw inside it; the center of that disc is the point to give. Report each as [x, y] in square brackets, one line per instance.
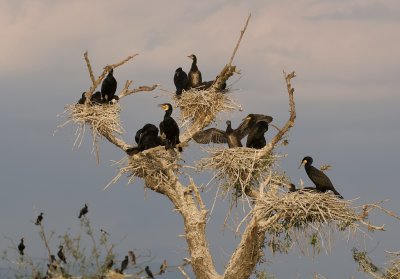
[194, 74]
[320, 179]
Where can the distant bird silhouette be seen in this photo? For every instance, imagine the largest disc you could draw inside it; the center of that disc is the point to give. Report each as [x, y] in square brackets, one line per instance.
[320, 179]
[132, 257]
[163, 267]
[108, 87]
[148, 272]
[104, 232]
[61, 255]
[83, 211]
[181, 81]
[194, 74]
[21, 247]
[124, 264]
[256, 137]
[109, 264]
[39, 219]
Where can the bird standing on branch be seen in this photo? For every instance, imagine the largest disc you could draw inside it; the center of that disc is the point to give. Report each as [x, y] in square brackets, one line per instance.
[124, 264]
[148, 272]
[83, 211]
[21, 247]
[39, 219]
[132, 257]
[61, 255]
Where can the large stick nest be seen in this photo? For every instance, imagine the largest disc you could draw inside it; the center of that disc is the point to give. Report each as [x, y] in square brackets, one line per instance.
[308, 217]
[203, 105]
[103, 120]
[239, 167]
[152, 165]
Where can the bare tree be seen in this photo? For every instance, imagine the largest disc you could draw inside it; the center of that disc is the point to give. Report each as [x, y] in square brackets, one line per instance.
[256, 180]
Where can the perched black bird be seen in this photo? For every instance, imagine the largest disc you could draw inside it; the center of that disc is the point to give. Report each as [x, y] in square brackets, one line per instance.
[231, 136]
[146, 138]
[96, 98]
[207, 84]
[61, 255]
[320, 179]
[169, 128]
[124, 264]
[292, 188]
[83, 211]
[256, 137]
[39, 219]
[109, 264]
[181, 81]
[148, 272]
[108, 87]
[132, 257]
[21, 247]
[163, 267]
[194, 74]
[82, 100]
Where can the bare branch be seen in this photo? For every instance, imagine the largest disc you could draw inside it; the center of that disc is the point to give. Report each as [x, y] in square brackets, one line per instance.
[183, 272]
[89, 66]
[240, 39]
[125, 92]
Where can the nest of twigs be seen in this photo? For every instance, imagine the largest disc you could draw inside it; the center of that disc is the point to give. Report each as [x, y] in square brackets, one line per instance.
[152, 165]
[102, 119]
[393, 272]
[237, 168]
[197, 104]
[307, 217]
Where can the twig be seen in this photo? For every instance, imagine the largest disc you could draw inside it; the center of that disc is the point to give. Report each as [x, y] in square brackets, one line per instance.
[89, 67]
[240, 38]
[183, 272]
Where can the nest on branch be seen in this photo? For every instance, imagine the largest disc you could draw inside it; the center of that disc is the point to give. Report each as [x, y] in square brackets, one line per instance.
[237, 168]
[307, 217]
[152, 165]
[197, 105]
[393, 272]
[102, 119]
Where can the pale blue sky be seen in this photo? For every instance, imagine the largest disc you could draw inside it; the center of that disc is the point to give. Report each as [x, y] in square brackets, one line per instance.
[345, 53]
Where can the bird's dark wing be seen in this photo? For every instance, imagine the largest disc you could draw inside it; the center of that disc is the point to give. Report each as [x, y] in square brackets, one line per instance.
[210, 135]
[320, 179]
[246, 125]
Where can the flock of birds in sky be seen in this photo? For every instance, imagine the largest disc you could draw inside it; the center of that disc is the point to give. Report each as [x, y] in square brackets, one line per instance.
[254, 126]
[55, 267]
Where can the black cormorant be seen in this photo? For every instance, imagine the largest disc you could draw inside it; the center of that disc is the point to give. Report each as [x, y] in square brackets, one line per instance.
[124, 264]
[132, 257]
[108, 87]
[82, 100]
[61, 255]
[146, 138]
[320, 179]
[169, 128]
[230, 136]
[83, 211]
[96, 98]
[194, 74]
[148, 272]
[181, 81]
[39, 219]
[163, 267]
[109, 264]
[21, 247]
[256, 137]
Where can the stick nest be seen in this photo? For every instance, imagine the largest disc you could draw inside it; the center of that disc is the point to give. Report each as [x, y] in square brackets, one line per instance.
[201, 105]
[152, 165]
[237, 168]
[307, 215]
[103, 120]
[393, 272]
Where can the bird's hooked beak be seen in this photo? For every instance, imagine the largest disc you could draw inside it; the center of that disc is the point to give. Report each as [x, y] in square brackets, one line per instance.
[303, 163]
[164, 106]
[190, 56]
